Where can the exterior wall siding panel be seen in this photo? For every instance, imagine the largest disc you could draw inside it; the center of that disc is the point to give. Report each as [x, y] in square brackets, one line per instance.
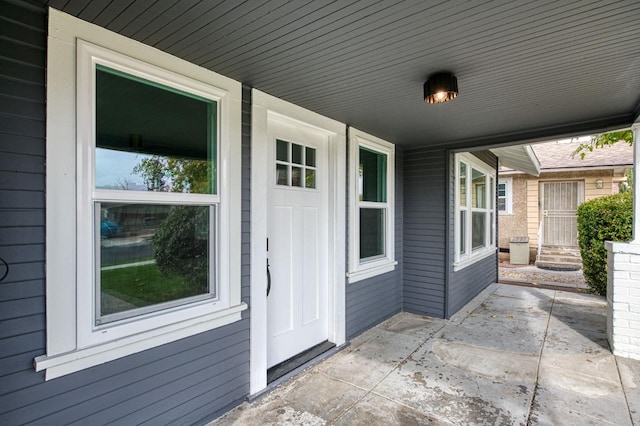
[375, 299]
[186, 381]
[425, 187]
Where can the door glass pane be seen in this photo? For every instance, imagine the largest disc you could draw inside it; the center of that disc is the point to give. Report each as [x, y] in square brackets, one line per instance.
[296, 176]
[282, 174]
[310, 157]
[149, 255]
[310, 178]
[478, 230]
[282, 150]
[478, 185]
[294, 172]
[373, 176]
[296, 153]
[371, 233]
[463, 184]
[152, 138]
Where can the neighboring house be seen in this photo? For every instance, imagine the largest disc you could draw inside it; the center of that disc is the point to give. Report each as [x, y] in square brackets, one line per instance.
[174, 229]
[543, 207]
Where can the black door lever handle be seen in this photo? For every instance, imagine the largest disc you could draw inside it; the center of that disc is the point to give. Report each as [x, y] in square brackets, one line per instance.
[268, 279]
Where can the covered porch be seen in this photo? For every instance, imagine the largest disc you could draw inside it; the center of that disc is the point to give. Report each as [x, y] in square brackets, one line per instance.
[343, 82]
[513, 355]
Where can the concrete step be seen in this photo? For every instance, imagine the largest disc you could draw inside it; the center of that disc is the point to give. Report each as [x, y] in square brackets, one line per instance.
[560, 251]
[563, 259]
[561, 247]
[558, 266]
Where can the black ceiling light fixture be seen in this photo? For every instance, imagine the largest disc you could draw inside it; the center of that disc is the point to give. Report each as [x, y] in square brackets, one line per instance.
[440, 87]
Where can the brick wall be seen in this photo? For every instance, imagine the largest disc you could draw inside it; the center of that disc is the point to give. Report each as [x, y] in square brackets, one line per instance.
[623, 299]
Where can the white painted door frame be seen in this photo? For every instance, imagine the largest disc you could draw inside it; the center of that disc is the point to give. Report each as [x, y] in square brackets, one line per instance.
[265, 106]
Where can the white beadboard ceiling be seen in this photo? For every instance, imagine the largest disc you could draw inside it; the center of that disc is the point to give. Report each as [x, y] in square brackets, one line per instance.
[527, 70]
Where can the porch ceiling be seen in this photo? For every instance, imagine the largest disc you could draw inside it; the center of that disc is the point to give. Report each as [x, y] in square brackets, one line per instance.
[527, 70]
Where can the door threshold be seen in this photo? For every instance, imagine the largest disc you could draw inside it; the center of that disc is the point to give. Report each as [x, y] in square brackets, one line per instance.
[312, 363]
[285, 367]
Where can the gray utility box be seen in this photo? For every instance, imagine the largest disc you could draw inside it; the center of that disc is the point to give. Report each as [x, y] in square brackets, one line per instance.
[519, 250]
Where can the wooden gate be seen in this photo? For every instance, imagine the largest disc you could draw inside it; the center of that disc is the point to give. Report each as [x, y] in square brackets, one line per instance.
[560, 201]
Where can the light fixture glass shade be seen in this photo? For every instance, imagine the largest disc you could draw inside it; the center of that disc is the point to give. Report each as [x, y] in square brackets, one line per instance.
[440, 87]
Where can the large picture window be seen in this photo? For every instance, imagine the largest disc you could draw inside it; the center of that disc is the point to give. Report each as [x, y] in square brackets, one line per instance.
[475, 210]
[143, 198]
[371, 248]
[155, 253]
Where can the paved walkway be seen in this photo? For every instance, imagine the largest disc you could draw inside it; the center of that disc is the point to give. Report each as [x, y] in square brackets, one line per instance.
[514, 355]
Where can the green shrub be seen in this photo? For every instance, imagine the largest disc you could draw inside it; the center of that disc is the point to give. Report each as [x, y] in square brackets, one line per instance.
[607, 218]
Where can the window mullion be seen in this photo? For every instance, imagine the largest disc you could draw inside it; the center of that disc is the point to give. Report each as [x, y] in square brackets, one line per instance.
[372, 204]
[154, 197]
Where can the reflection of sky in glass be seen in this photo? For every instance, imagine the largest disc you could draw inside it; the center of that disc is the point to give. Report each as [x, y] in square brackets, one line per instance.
[114, 169]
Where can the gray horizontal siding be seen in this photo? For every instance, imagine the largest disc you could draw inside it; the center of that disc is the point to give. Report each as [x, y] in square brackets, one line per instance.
[246, 201]
[183, 382]
[468, 282]
[172, 373]
[22, 197]
[425, 195]
[21, 154]
[373, 300]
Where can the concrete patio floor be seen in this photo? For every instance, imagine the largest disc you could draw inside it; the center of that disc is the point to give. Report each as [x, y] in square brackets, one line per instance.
[514, 355]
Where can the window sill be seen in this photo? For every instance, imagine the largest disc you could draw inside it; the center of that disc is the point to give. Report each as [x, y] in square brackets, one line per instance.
[70, 362]
[475, 257]
[371, 271]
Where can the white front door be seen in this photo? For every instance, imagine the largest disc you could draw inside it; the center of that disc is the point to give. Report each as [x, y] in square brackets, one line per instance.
[298, 205]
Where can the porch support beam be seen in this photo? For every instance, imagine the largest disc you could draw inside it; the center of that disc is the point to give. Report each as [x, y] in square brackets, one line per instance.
[636, 183]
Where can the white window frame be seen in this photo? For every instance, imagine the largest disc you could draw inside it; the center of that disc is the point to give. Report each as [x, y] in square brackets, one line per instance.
[74, 342]
[508, 198]
[360, 270]
[471, 256]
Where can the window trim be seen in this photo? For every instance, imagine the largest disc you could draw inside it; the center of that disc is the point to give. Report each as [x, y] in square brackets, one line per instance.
[508, 182]
[72, 343]
[379, 265]
[89, 58]
[471, 256]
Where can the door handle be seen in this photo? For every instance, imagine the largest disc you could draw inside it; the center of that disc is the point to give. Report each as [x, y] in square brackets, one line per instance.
[545, 213]
[6, 269]
[268, 279]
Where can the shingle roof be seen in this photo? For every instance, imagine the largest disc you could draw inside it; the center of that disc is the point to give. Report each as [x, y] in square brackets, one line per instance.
[557, 155]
